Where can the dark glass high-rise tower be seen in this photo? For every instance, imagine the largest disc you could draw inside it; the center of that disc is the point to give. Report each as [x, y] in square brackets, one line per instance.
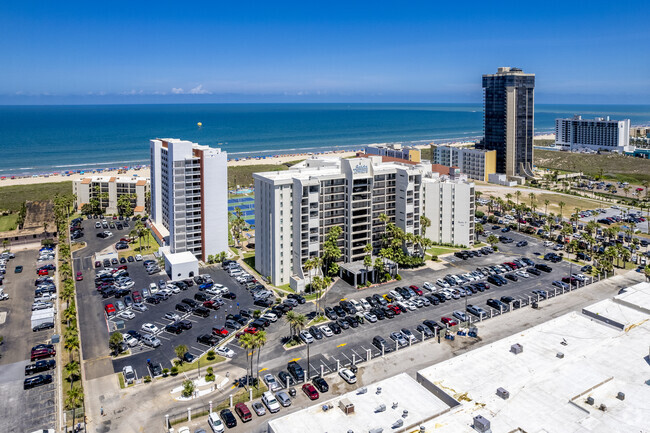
[510, 119]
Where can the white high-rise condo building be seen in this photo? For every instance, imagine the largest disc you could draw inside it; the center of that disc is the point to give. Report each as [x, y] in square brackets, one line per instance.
[296, 208]
[189, 191]
[600, 133]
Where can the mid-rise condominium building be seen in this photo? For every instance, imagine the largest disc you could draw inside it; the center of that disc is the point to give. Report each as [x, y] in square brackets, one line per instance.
[395, 150]
[475, 163]
[189, 190]
[106, 190]
[600, 133]
[510, 120]
[295, 210]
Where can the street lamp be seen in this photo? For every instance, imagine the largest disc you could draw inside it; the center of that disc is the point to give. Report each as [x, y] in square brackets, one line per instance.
[308, 364]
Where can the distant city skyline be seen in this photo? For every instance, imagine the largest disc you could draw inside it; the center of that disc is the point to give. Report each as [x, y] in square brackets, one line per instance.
[74, 52]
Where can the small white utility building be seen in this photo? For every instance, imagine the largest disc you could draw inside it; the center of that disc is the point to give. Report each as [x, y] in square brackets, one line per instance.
[180, 265]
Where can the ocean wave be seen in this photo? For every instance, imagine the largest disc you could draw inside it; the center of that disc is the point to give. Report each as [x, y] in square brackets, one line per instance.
[92, 164]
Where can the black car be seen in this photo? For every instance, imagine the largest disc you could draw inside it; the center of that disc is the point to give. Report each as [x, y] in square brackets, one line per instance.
[352, 320]
[533, 271]
[122, 293]
[43, 326]
[300, 299]
[330, 313]
[135, 334]
[188, 357]
[512, 277]
[343, 323]
[173, 328]
[230, 296]
[321, 384]
[185, 324]
[191, 302]
[207, 339]
[283, 377]
[201, 312]
[433, 325]
[388, 313]
[334, 327]
[379, 312]
[316, 333]
[153, 300]
[495, 280]
[509, 299]
[38, 380]
[183, 308]
[543, 267]
[340, 312]
[107, 293]
[40, 366]
[296, 371]
[201, 297]
[232, 324]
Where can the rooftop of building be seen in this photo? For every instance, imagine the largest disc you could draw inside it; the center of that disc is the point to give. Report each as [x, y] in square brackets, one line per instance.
[563, 362]
[178, 258]
[393, 146]
[579, 118]
[401, 389]
[117, 179]
[195, 146]
[507, 70]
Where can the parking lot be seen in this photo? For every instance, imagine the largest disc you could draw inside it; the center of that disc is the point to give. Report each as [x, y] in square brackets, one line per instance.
[96, 326]
[22, 410]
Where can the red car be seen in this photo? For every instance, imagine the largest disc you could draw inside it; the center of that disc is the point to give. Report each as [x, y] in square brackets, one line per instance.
[211, 304]
[110, 310]
[395, 309]
[122, 267]
[79, 276]
[251, 330]
[98, 264]
[417, 290]
[311, 392]
[219, 331]
[137, 297]
[244, 413]
[43, 272]
[448, 321]
[114, 217]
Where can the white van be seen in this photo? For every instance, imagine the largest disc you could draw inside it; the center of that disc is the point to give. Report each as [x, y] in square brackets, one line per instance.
[270, 402]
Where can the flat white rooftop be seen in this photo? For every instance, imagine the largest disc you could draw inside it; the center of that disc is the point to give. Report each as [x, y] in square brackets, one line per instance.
[564, 361]
[178, 258]
[401, 389]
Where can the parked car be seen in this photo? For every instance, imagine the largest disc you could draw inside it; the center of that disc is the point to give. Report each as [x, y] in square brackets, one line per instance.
[347, 375]
[310, 391]
[228, 418]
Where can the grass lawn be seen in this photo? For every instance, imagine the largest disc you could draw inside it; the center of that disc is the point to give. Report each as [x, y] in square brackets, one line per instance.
[242, 175]
[8, 222]
[571, 202]
[13, 196]
[437, 250]
[317, 320]
[135, 247]
[620, 167]
[203, 361]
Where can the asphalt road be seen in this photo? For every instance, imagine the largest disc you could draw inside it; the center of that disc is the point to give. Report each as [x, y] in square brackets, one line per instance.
[32, 409]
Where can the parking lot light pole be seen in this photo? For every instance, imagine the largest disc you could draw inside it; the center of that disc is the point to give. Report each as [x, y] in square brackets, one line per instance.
[308, 369]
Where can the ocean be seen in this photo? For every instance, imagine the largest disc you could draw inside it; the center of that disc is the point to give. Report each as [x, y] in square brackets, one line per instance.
[46, 139]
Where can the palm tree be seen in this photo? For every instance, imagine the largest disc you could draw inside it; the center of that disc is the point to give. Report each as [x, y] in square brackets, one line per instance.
[180, 350]
[74, 400]
[73, 371]
[384, 220]
[260, 341]
[71, 343]
[70, 313]
[561, 204]
[532, 198]
[290, 317]
[247, 342]
[518, 194]
[426, 222]
[296, 322]
[367, 259]
[67, 294]
[546, 202]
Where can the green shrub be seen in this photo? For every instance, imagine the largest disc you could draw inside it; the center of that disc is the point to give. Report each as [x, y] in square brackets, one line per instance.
[398, 277]
[147, 379]
[174, 371]
[165, 372]
[211, 355]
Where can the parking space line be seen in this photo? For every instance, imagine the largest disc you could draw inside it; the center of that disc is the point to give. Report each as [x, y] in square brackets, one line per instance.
[197, 349]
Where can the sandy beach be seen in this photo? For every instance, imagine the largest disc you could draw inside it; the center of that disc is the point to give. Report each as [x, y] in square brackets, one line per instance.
[144, 171]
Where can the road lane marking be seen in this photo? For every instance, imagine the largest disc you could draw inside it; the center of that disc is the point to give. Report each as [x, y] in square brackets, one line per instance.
[342, 344]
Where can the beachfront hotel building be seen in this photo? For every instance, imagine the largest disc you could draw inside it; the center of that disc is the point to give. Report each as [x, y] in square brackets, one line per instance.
[108, 189]
[394, 150]
[296, 208]
[477, 164]
[189, 191]
[600, 133]
[510, 120]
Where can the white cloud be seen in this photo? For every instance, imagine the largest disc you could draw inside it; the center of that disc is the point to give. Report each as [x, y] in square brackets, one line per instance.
[199, 90]
[177, 90]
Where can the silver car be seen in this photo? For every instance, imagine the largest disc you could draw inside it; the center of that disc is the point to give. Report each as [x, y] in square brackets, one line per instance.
[283, 398]
[271, 382]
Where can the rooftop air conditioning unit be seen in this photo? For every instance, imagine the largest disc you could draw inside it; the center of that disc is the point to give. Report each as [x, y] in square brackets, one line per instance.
[376, 430]
[346, 406]
[516, 348]
[503, 393]
[481, 424]
[397, 424]
[380, 408]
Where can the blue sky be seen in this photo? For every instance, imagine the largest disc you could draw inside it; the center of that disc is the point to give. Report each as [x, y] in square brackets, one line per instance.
[323, 51]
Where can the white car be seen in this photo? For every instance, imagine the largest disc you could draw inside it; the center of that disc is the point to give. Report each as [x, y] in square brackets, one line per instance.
[325, 330]
[126, 314]
[225, 351]
[138, 258]
[396, 296]
[348, 376]
[548, 243]
[271, 317]
[357, 305]
[173, 288]
[371, 318]
[215, 423]
[139, 306]
[129, 374]
[306, 337]
[366, 306]
[172, 316]
[522, 273]
[130, 340]
[271, 403]
[184, 429]
[149, 328]
[427, 285]
[410, 305]
[272, 382]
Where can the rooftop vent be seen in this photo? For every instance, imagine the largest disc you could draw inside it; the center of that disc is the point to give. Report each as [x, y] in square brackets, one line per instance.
[380, 408]
[516, 348]
[503, 393]
[378, 390]
[376, 430]
[405, 413]
[398, 424]
[481, 424]
[560, 355]
[362, 390]
[620, 396]
[603, 407]
[395, 404]
[590, 401]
